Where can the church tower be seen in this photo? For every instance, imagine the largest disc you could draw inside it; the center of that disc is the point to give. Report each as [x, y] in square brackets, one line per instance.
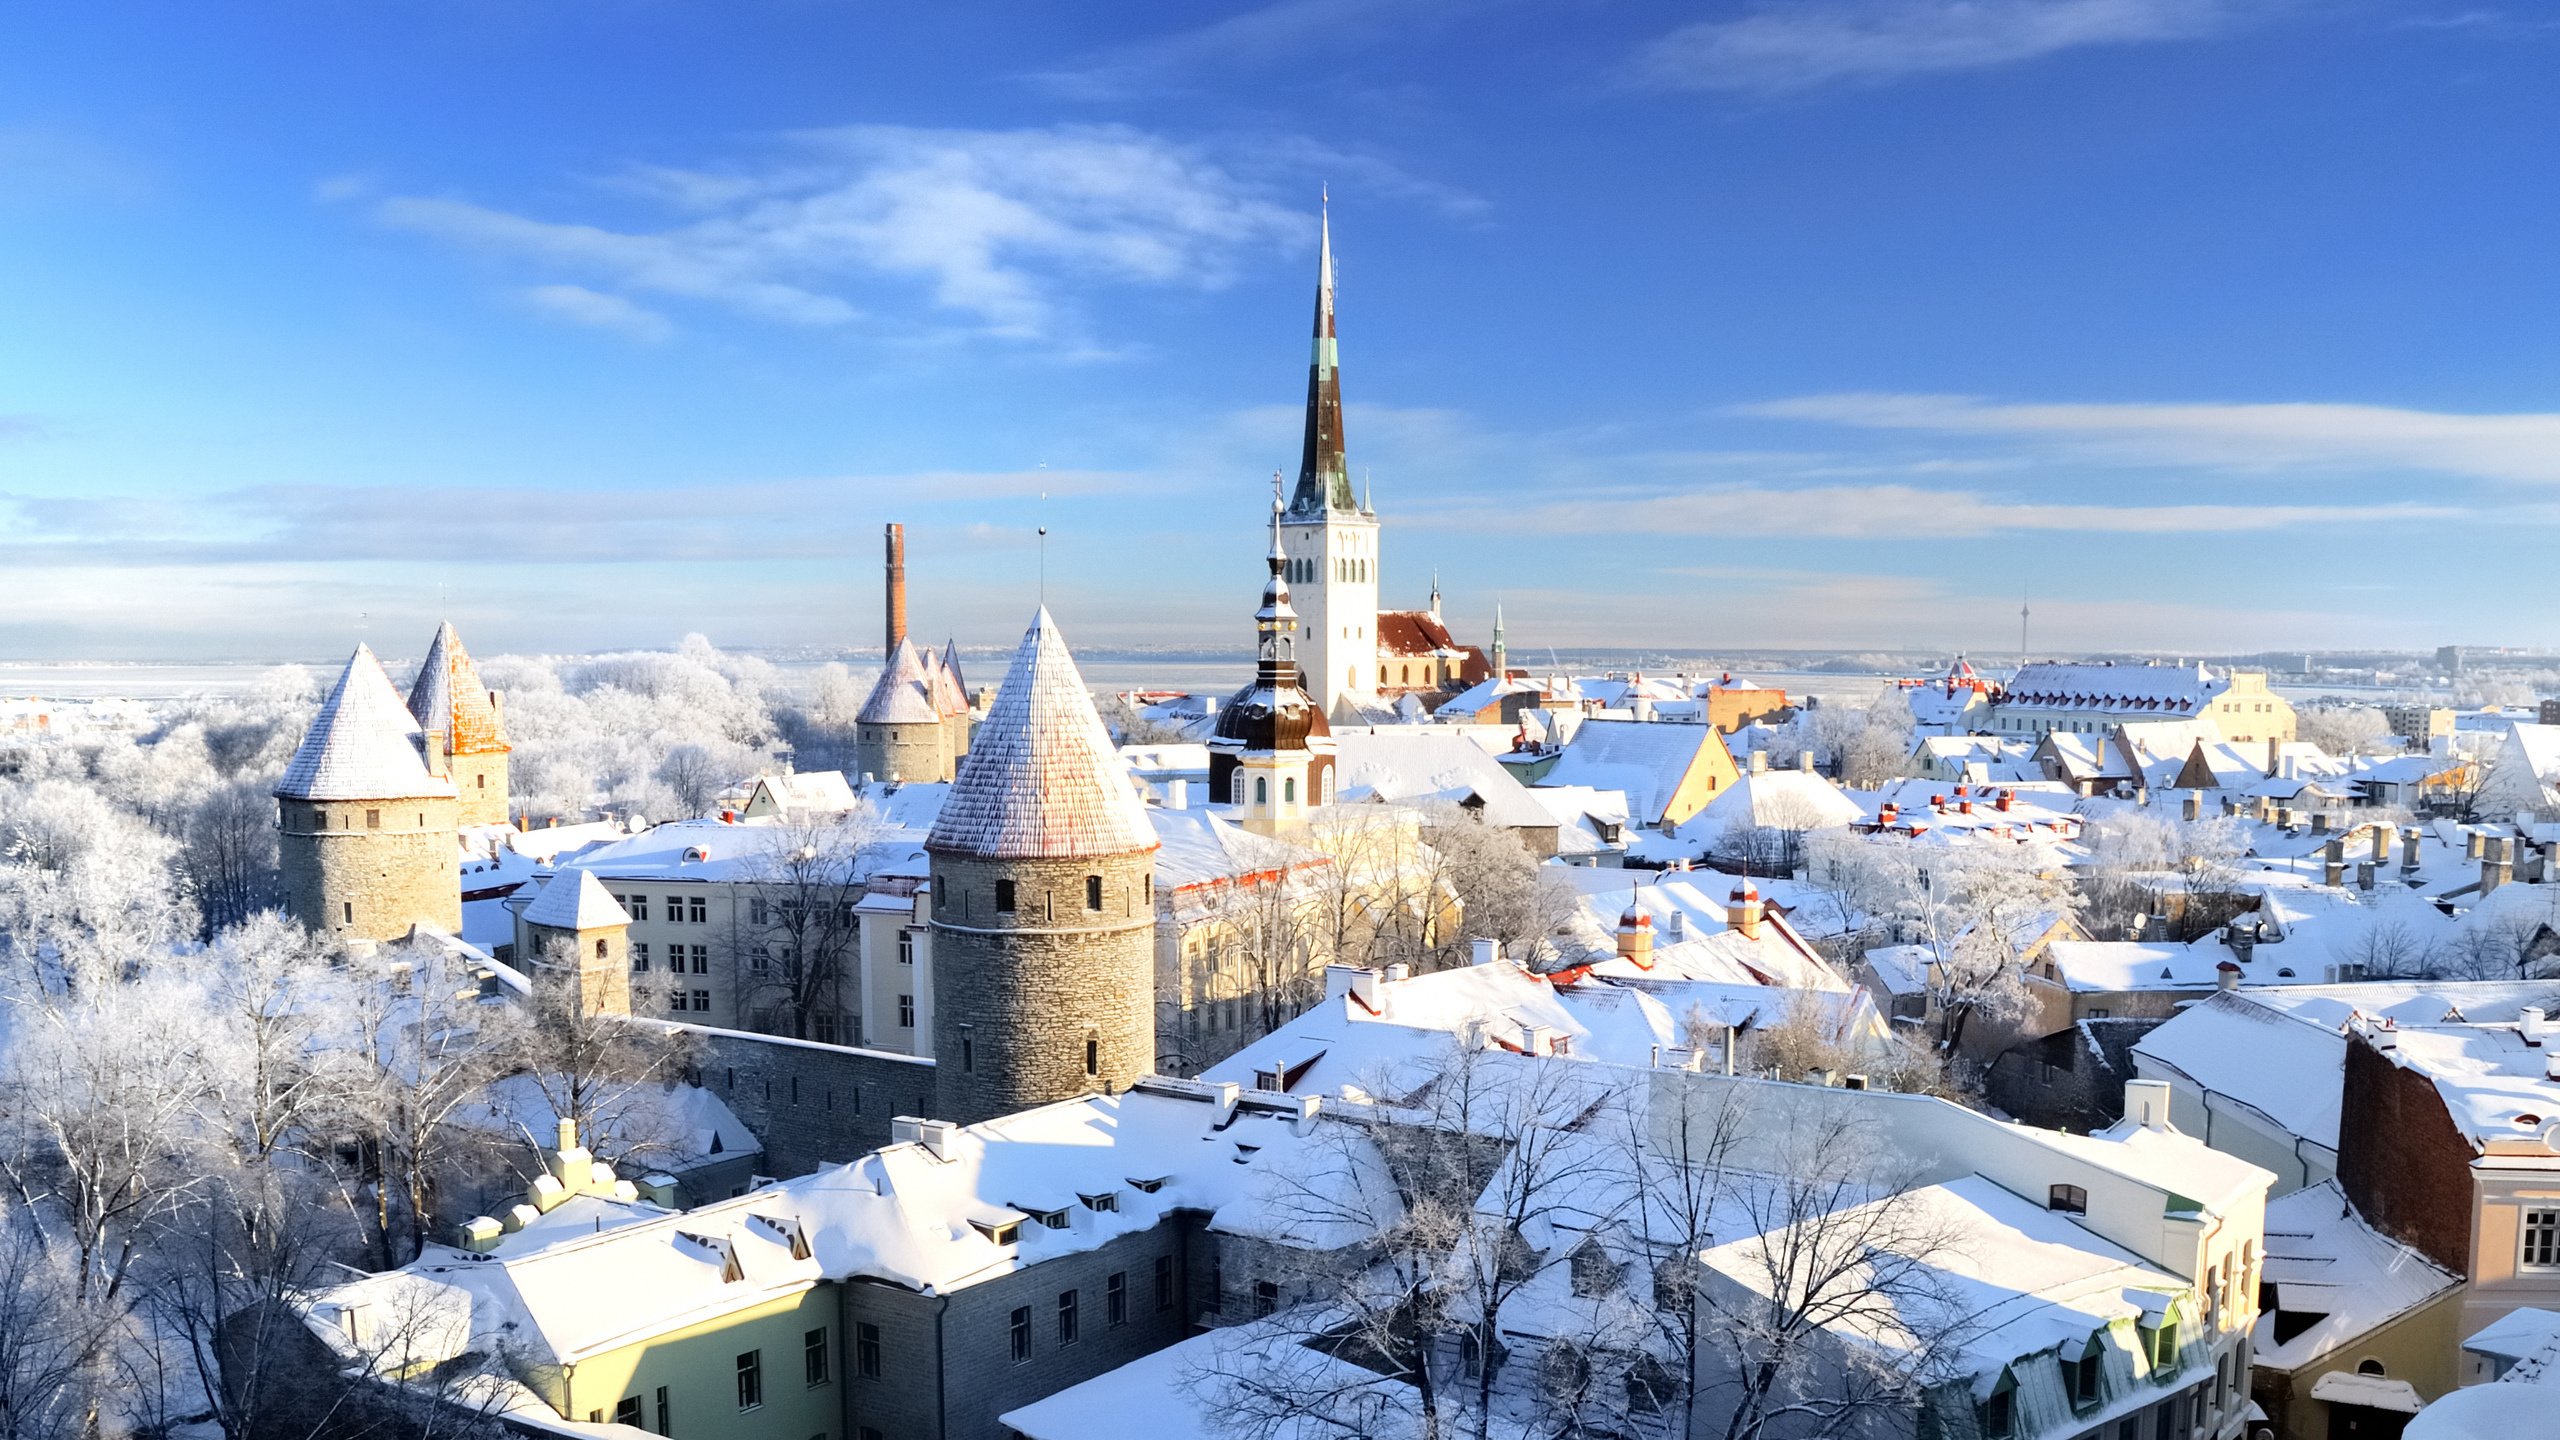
[1043, 908]
[1329, 538]
[367, 817]
[1272, 755]
[448, 699]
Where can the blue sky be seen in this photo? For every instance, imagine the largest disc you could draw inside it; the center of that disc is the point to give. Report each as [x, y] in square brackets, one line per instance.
[2211, 324]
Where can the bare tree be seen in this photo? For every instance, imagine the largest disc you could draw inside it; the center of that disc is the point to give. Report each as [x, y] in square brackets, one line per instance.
[53, 1347]
[1257, 939]
[1973, 908]
[587, 1063]
[421, 1032]
[227, 853]
[1835, 1247]
[800, 935]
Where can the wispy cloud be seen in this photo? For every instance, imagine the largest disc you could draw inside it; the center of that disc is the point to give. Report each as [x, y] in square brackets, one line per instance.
[1265, 35]
[1785, 48]
[578, 305]
[997, 226]
[2520, 448]
[1889, 512]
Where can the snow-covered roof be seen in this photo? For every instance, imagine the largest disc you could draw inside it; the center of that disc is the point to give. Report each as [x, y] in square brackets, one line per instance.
[1645, 760]
[1042, 778]
[362, 745]
[575, 900]
[1419, 764]
[2286, 1068]
[1175, 1393]
[2140, 690]
[904, 694]
[1782, 800]
[2324, 1261]
[448, 696]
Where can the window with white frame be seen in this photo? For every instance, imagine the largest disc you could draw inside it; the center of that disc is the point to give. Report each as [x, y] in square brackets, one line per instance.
[2541, 1238]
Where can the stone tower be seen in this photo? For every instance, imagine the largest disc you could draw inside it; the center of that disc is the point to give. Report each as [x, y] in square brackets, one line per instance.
[448, 699]
[901, 732]
[1329, 537]
[1272, 755]
[1043, 908]
[367, 817]
[574, 928]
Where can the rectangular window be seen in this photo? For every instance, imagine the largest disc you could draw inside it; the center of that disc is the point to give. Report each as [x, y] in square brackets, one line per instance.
[1115, 1299]
[1066, 1317]
[676, 1000]
[1020, 1331]
[702, 1001]
[907, 1011]
[626, 1411]
[1093, 892]
[1164, 1282]
[1004, 897]
[698, 911]
[866, 1351]
[906, 947]
[639, 957]
[666, 1413]
[813, 1355]
[675, 909]
[760, 959]
[638, 905]
[2541, 1237]
[751, 1380]
[755, 911]
[701, 959]
[822, 1028]
[1266, 1297]
[373, 819]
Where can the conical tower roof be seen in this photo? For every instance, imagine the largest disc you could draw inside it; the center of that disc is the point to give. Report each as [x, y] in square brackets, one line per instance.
[904, 695]
[1324, 469]
[363, 745]
[1042, 780]
[951, 663]
[448, 696]
[575, 900]
[944, 682]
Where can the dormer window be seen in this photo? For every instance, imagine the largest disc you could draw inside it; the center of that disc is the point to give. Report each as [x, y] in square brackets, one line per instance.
[1147, 1186]
[2000, 1411]
[2081, 1375]
[1106, 1203]
[1049, 1219]
[2067, 1200]
[1003, 1233]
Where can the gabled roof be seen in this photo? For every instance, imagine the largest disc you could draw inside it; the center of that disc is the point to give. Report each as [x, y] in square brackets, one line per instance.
[448, 696]
[575, 900]
[1042, 778]
[904, 694]
[363, 745]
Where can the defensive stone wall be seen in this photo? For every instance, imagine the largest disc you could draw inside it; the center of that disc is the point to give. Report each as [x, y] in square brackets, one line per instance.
[371, 869]
[812, 1105]
[918, 753]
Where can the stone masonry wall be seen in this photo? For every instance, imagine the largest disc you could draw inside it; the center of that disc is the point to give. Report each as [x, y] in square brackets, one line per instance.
[1019, 996]
[919, 753]
[481, 781]
[812, 1105]
[349, 880]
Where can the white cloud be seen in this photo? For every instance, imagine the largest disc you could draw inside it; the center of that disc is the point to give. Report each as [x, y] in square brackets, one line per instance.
[997, 225]
[1265, 35]
[2517, 447]
[579, 305]
[1887, 512]
[1782, 48]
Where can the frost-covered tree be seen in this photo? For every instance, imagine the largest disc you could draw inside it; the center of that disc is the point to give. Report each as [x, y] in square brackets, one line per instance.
[85, 886]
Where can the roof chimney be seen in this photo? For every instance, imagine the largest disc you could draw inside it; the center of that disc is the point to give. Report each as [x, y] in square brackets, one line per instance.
[897, 543]
[2146, 1103]
[1743, 910]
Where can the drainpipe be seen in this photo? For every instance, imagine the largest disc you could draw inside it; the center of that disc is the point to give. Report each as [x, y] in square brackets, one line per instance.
[941, 1372]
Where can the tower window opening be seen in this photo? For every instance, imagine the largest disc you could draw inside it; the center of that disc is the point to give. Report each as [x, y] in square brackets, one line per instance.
[348, 908]
[373, 819]
[1289, 790]
[1092, 1055]
[1093, 892]
[1004, 897]
[600, 950]
[1261, 790]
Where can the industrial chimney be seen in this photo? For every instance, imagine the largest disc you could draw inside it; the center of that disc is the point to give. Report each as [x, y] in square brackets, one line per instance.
[897, 536]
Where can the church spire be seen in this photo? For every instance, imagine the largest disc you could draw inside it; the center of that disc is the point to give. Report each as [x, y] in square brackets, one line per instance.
[1324, 471]
[1273, 622]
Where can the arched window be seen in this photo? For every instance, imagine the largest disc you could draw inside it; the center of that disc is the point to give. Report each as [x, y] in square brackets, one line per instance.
[1289, 790]
[2069, 1199]
[2370, 1366]
[1261, 790]
[600, 950]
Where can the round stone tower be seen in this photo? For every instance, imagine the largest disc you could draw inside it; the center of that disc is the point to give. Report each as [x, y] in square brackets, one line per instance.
[367, 817]
[900, 732]
[1043, 902]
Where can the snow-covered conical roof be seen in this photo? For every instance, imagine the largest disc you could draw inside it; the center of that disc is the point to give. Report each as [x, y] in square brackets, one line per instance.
[904, 695]
[576, 900]
[363, 745]
[448, 696]
[1042, 779]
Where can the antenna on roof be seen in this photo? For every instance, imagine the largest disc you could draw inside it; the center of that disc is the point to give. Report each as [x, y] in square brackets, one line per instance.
[2022, 629]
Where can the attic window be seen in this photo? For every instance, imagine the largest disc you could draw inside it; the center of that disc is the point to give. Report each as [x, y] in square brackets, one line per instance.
[1006, 1233]
[1106, 1203]
[1148, 1186]
[2067, 1199]
[1050, 1219]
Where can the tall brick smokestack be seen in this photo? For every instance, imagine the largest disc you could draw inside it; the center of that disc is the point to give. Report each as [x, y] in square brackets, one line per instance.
[897, 537]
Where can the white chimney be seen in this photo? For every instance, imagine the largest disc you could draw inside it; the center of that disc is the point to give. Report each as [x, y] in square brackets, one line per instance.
[2146, 1103]
[2529, 1024]
[1485, 952]
[1177, 794]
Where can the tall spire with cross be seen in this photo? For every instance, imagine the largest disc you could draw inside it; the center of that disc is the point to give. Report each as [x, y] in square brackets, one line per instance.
[1324, 470]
